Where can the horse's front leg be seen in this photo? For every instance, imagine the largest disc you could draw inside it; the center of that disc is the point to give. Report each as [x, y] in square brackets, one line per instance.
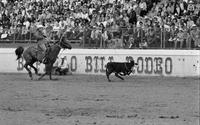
[35, 69]
[50, 75]
[49, 71]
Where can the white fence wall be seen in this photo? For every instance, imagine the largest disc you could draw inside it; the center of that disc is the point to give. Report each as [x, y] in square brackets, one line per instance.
[93, 61]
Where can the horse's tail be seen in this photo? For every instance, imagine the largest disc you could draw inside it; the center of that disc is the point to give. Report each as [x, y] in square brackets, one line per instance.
[19, 52]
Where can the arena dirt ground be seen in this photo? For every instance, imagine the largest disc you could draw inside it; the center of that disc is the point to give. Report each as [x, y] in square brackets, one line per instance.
[91, 100]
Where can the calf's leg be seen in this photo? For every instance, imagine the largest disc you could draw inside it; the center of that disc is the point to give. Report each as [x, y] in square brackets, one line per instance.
[117, 75]
[108, 74]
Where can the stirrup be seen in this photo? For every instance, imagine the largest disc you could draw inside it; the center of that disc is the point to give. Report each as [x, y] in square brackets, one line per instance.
[45, 61]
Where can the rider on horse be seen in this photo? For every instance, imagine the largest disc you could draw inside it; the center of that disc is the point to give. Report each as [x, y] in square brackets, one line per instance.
[43, 42]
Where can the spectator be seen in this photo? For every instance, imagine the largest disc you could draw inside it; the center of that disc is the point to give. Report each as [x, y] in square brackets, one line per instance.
[64, 14]
[95, 35]
[143, 7]
[194, 35]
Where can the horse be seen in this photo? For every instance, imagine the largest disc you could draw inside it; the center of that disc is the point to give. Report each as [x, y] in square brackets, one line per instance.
[33, 54]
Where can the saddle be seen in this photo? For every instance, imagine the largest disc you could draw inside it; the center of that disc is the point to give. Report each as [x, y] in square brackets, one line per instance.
[47, 45]
[41, 53]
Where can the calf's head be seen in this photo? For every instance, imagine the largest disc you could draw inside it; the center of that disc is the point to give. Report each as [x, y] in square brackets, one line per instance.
[132, 62]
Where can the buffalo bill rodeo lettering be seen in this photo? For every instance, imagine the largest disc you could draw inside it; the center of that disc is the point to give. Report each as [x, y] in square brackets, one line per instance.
[97, 64]
[147, 65]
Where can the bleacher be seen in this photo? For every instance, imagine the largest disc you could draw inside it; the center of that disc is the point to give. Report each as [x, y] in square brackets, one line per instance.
[144, 24]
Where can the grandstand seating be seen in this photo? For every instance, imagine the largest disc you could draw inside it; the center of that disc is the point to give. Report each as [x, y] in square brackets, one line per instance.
[150, 23]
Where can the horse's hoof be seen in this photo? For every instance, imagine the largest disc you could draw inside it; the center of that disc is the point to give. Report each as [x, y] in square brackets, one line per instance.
[39, 78]
[55, 79]
[38, 74]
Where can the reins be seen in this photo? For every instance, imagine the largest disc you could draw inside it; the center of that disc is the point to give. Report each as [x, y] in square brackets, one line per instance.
[62, 36]
[58, 46]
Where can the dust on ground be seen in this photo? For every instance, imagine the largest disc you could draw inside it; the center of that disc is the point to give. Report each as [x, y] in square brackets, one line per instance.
[91, 100]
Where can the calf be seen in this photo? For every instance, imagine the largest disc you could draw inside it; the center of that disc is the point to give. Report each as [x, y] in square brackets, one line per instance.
[119, 68]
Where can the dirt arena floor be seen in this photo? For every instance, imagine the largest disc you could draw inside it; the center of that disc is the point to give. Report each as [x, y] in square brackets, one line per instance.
[91, 100]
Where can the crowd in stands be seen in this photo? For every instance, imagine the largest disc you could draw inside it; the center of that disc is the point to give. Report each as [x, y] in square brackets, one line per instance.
[108, 23]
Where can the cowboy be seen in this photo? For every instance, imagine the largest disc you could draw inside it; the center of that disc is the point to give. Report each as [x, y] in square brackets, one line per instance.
[62, 66]
[43, 42]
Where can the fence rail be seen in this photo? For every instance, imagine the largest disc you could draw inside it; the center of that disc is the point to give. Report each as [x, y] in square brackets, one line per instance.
[159, 38]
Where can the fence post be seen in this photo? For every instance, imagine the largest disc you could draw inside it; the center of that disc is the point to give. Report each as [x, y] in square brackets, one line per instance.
[101, 40]
[14, 39]
[142, 34]
[122, 39]
[164, 38]
[104, 42]
[83, 39]
[30, 40]
[161, 37]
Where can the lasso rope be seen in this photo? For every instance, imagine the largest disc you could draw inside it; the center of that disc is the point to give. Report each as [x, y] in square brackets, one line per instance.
[60, 41]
